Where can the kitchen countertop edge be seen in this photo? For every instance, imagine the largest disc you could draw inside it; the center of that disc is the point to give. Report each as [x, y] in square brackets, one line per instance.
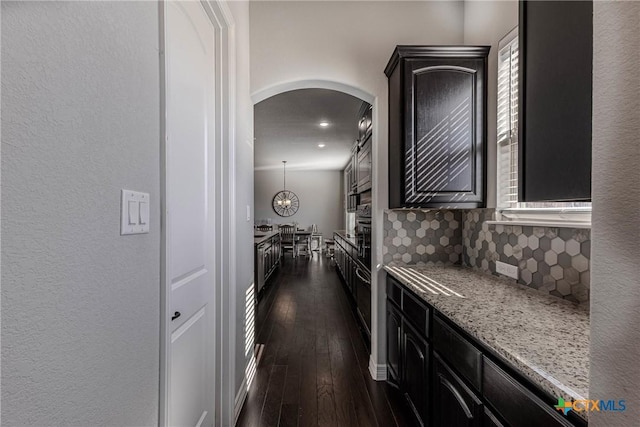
[267, 235]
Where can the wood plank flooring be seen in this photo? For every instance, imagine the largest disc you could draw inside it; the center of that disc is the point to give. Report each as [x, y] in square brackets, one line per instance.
[314, 366]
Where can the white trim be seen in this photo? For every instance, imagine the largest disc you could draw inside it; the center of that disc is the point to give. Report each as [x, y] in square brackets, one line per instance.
[225, 256]
[379, 202]
[282, 87]
[377, 371]
[165, 307]
[545, 217]
[241, 396]
[508, 38]
[225, 298]
[566, 224]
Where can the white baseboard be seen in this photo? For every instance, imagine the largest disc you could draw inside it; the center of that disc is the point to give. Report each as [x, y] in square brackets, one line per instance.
[239, 402]
[378, 372]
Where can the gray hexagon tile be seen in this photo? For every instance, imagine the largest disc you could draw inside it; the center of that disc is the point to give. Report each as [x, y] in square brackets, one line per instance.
[554, 260]
[423, 237]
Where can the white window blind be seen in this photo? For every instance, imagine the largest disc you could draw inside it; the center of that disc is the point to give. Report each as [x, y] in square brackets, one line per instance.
[507, 140]
[508, 122]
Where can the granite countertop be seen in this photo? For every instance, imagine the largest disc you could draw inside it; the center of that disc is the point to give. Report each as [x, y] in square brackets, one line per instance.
[262, 236]
[543, 337]
[347, 238]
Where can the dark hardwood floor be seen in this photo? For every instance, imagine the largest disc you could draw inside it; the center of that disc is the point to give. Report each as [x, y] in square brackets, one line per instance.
[314, 365]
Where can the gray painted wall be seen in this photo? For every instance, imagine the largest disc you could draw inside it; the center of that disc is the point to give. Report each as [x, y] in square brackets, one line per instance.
[80, 303]
[320, 194]
[486, 23]
[615, 294]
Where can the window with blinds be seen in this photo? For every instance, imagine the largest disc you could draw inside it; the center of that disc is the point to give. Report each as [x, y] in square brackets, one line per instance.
[507, 136]
[508, 122]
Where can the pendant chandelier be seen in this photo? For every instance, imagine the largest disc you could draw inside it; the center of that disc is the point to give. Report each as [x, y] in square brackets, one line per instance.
[285, 202]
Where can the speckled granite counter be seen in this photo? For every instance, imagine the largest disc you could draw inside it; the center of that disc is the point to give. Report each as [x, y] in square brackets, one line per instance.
[260, 236]
[545, 338]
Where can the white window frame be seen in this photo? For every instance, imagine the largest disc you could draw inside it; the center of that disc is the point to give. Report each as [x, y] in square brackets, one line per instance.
[510, 211]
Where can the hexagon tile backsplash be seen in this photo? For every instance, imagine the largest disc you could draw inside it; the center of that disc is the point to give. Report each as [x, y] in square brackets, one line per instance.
[422, 237]
[553, 260]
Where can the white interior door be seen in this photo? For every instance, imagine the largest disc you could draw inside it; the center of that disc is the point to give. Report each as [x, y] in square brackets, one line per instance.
[189, 50]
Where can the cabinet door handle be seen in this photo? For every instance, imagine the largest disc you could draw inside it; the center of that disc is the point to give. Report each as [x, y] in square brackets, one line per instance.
[175, 316]
[367, 281]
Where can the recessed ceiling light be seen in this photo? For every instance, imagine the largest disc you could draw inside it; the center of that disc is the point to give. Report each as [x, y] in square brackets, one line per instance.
[324, 124]
[322, 145]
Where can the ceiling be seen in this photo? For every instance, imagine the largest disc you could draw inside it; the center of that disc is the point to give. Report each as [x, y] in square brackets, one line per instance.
[287, 127]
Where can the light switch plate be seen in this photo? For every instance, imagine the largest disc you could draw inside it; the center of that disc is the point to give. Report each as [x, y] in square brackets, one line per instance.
[134, 215]
[507, 269]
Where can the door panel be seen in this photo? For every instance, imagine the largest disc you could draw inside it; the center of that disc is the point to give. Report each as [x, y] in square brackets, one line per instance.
[415, 367]
[454, 404]
[190, 92]
[394, 345]
[443, 152]
[190, 76]
[189, 388]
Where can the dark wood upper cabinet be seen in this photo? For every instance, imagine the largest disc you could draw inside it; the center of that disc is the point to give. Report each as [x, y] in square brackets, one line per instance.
[437, 126]
[364, 154]
[556, 62]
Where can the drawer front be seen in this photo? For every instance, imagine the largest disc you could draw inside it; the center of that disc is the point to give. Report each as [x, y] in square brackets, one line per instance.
[517, 405]
[394, 291]
[459, 352]
[416, 313]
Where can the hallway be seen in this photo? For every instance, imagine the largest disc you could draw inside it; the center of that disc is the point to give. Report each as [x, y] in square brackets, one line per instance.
[314, 367]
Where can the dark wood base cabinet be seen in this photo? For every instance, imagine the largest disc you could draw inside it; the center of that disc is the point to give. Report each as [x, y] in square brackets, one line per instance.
[450, 380]
[266, 261]
[408, 351]
[357, 280]
[454, 404]
[415, 363]
[394, 343]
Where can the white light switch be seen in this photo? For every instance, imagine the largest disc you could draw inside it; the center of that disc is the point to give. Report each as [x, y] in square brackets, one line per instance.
[134, 217]
[144, 213]
[248, 213]
[134, 212]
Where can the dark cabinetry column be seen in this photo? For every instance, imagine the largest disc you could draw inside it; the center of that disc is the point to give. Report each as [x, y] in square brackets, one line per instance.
[555, 73]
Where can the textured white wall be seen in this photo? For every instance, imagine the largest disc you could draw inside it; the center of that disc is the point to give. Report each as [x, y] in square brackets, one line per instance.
[350, 43]
[486, 23]
[615, 290]
[80, 303]
[320, 194]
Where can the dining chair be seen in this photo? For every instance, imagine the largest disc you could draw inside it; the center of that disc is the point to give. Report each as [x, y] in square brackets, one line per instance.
[304, 243]
[316, 237]
[288, 238]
